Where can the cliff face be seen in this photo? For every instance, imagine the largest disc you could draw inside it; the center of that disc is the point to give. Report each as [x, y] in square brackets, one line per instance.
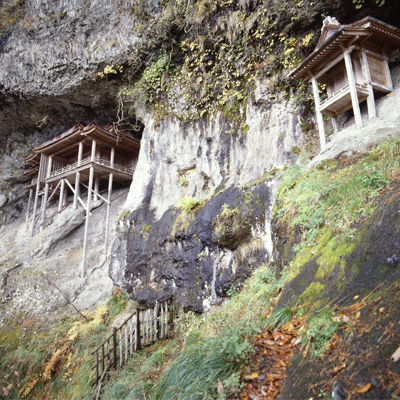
[200, 201]
[205, 162]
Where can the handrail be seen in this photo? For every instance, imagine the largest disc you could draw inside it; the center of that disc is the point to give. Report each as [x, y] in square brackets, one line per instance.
[88, 160]
[142, 328]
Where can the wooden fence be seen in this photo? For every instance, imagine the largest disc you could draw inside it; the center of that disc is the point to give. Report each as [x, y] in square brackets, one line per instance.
[144, 327]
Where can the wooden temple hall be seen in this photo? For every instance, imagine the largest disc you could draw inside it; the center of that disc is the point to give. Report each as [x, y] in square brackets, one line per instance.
[352, 61]
[85, 161]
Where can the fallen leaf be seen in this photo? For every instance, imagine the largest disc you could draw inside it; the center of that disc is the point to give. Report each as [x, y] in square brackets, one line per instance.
[390, 95]
[364, 388]
[396, 355]
[6, 376]
[16, 373]
[356, 297]
[9, 386]
[288, 327]
[358, 314]
[5, 391]
[220, 387]
[254, 374]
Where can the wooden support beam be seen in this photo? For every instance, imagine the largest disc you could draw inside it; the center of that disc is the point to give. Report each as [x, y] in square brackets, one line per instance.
[89, 198]
[46, 192]
[65, 197]
[77, 176]
[80, 152]
[35, 205]
[320, 120]
[53, 193]
[93, 155]
[367, 77]
[353, 91]
[29, 205]
[96, 188]
[74, 191]
[61, 199]
[98, 194]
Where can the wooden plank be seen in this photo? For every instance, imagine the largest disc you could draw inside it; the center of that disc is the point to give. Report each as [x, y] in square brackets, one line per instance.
[353, 91]
[320, 120]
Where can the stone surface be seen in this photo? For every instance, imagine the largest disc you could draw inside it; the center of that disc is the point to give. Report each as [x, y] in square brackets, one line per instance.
[32, 270]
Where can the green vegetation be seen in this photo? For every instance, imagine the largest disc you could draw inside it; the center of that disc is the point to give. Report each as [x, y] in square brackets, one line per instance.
[10, 15]
[204, 351]
[188, 206]
[55, 363]
[146, 229]
[183, 181]
[216, 60]
[326, 203]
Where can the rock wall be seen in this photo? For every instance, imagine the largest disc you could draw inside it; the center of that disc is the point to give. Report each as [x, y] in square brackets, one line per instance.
[203, 160]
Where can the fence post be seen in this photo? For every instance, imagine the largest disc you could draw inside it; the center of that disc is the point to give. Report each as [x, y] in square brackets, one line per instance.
[115, 347]
[157, 333]
[172, 309]
[138, 345]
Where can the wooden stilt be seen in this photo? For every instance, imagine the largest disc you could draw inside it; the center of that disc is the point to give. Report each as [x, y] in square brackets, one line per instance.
[367, 77]
[65, 196]
[35, 205]
[96, 188]
[320, 119]
[29, 205]
[61, 199]
[352, 87]
[110, 182]
[46, 193]
[87, 222]
[89, 200]
[78, 176]
[77, 191]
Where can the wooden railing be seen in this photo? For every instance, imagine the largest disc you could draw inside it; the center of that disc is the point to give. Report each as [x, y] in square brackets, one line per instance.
[144, 327]
[88, 160]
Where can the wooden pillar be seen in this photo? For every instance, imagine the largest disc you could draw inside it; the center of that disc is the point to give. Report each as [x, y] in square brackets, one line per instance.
[367, 77]
[78, 176]
[353, 91]
[61, 199]
[35, 204]
[110, 182]
[65, 196]
[320, 119]
[88, 204]
[97, 178]
[29, 204]
[96, 188]
[46, 193]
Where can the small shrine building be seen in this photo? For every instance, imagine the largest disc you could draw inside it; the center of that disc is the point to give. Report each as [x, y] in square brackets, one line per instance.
[352, 61]
[85, 156]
